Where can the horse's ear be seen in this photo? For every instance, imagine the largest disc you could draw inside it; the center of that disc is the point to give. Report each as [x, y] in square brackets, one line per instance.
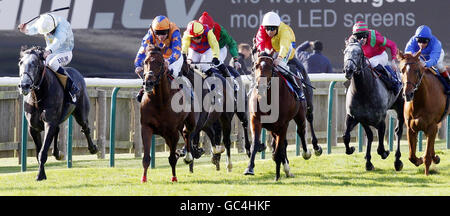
[400, 55]
[416, 56]
[22, 49]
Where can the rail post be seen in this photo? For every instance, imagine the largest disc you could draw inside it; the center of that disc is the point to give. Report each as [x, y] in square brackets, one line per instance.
[69, 141]
[152, 152]
[263, 141]
[330, 114]
[112, 128]
[24, 139]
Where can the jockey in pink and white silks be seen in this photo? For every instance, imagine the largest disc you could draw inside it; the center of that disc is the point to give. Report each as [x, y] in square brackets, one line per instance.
[374, 47]
[60, 42]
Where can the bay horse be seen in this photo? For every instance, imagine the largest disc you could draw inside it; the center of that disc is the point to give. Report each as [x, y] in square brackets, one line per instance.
[44, 106]
[426, 106]
[157, 114]
[291, 109]
[367, 101]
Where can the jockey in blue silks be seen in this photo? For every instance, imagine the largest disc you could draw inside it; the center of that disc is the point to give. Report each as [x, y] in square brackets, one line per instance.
[432, 53]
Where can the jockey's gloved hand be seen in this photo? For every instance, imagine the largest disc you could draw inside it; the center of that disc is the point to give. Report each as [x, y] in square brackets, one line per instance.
[209, 72]
[215, 61]
[237, 65]
[138, 70]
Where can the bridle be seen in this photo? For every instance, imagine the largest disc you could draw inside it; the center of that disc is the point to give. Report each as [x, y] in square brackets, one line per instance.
[151, 74]
[362, 66]
[270, 80]
[418, 74]
[42, 68]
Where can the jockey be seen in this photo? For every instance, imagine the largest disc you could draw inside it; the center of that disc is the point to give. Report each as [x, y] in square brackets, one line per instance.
[165, 35]
[374, 48]
[224, 40]
[431, 47]
[59, 39]
[276, 35]
[200, 45]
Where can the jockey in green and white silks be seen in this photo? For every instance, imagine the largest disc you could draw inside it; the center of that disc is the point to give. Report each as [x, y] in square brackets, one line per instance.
[60, 42]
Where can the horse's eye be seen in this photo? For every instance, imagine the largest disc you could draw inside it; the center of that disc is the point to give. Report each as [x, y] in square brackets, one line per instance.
[20, 63]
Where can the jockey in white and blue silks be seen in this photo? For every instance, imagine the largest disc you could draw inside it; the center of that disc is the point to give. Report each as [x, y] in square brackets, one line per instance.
[432, 54]
[60, 42]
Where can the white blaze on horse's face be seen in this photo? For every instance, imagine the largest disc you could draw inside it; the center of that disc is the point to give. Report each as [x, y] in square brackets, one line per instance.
[352, 57]
[28, 68]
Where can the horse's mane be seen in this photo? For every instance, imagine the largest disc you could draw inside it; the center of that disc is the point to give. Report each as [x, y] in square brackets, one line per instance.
[37, 50]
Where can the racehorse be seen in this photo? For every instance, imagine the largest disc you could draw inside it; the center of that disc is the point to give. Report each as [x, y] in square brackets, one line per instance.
[308, 91]
[214, 122]
[157, 115]
[44, 106]
[291, 109]
[367, 102]
[426, 106]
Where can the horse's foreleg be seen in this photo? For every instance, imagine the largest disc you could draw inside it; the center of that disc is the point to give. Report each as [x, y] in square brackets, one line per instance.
[278, 155]
[287, 169]
[172, 142]
[412, 142]
[56, 153]
[244, 120]
[50, 131]
[36, 135]
[381, 150]
[369, 134]
[227, 142]
[399, 132]
[256, 132]
[350, 123]
[146, 134]
[310, 117]
[429, 150]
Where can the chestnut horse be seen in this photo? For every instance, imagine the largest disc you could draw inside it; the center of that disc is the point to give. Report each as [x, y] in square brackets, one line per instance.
[290, 109]
[426, 106]
[157, 115]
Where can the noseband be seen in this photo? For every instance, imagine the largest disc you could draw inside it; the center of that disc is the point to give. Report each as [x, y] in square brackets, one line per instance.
[42, 68]
[151, 74]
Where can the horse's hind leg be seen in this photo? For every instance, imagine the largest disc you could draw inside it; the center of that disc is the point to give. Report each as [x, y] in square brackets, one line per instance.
[369, 134]
[82, 119]
[56, 153]
[380, 150]
[310, 117]
[350, 123]
[399, 132]
[146, 135]
[227, 141]
[285, 162]
[301, 125]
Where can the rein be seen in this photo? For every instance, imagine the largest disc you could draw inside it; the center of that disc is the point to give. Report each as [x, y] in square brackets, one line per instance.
[158, 78]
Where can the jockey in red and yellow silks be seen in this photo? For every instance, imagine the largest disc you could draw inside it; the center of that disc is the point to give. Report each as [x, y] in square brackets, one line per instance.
[200, 45]
[274, 35]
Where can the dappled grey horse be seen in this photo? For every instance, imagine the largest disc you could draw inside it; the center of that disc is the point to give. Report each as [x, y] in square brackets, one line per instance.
[44, 106]
[367, 101]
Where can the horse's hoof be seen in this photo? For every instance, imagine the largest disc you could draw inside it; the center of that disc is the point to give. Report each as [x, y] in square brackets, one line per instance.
[436, 159]
[174, 179]
[93, 149]
[350, 150]
[188, 159]
[41, 177]
[318, 151]
[369, 166]
[180, 153]
[144, 179]
[229, 168]
[398, 165]
[306, 155]
[249, 172]
[59, 156]
[260, 147]
[384, 154]
[277, 178]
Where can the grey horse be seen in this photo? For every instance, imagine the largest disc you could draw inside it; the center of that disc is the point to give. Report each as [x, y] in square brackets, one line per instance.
[45, 107]
[367, 102]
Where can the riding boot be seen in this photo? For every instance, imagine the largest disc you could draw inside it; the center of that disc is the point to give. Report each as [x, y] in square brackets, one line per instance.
[70, 87]
[297, 89]
[139, 95]
[447, 78]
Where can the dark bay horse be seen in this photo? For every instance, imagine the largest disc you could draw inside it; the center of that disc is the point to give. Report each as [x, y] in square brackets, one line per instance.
[367, 102]
[215, 123]
[426, 106]
[288, 109]
[157, 114]
[44, 106]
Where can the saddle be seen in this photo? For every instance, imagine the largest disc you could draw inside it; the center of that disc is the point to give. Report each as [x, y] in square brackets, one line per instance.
[298, 94]
[390, 78]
